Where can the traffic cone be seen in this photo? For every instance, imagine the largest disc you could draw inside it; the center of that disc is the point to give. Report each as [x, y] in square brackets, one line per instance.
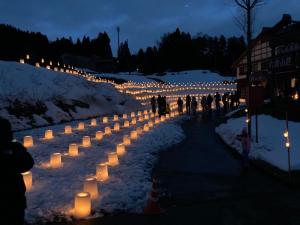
[152, 205]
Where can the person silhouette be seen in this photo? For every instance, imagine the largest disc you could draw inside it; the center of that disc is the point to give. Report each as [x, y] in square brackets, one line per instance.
[14, 160]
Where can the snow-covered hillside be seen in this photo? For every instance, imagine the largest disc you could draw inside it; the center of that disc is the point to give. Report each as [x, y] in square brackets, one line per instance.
[31, 96]
[173, 77]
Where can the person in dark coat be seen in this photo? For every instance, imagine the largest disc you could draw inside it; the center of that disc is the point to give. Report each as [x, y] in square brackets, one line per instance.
[180, 105]
[217, 101]
[188, 104]
[160, 105]
[203, 103]
[14, 160]
[209, 101]
[153, 104]
[194, 105]
[164, 105]
[225, 102]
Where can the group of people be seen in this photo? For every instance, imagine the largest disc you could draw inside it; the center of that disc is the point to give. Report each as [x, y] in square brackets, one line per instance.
[191, 105]
[160, 104]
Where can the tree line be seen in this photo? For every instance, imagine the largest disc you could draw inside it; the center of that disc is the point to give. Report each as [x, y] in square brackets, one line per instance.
[175, 51]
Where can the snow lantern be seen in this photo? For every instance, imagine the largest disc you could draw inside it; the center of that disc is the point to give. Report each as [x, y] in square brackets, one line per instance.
[141, 119]
[162, 118]
[68, 129]
[150, 123]
[167, 116]
[126, 123]
[120, 149]
[102, 172]
[145, 112]
[124, 116]
[99, 135]
[139, 130]
[126, 140]
[73, 150]
[146, 117]
[116, 117]
[133, 135]
[152, 115]
[81, 126]
[27, 177]
[113, 159]
[107, 131]
[37, 65]
[91, 186]
[146, 127]
[82, 205]
[116, 127]
[55, 160]
[133, 121]
[139, 113]
[28, 141]
[105, 119]
[48, 134]
[86, 141]
[22, 61]
[94, 122]
[132, 114]
[157, 120]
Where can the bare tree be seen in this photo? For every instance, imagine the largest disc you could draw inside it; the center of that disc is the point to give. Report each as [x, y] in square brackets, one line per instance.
[248, 6]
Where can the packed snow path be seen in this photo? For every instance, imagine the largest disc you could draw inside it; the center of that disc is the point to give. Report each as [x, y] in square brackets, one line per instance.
[54, 189]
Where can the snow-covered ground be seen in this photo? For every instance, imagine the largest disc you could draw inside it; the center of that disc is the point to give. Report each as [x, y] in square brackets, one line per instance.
[31, 96]
[192, 76]
[128, 185]
[271, 146]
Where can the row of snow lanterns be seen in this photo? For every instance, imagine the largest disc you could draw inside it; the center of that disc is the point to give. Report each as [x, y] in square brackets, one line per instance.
[83, 200]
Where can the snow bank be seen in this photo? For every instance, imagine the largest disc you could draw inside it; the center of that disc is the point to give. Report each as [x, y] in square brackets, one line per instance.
[129, 183]
[31, 96]
[271, 141]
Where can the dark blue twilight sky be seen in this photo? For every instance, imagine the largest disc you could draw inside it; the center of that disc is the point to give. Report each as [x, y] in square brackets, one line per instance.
[142, 22]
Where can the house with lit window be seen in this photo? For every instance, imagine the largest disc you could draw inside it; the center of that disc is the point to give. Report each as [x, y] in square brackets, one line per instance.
[275, 60]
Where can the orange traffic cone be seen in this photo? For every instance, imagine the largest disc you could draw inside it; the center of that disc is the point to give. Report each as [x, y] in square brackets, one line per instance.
[152, 205]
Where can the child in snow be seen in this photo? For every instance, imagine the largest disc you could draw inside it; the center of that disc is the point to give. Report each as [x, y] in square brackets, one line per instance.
[246, 146]
[14, 160]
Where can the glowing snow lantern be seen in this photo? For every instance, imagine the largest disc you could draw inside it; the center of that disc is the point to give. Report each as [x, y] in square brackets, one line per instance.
[86, 141]
[22, 61]
[102, 172]
[48, 134]
[99, 135]
[27, 177]
[28, 141]
[146, 117]
[55, 160]
[139, 113]
[116, 117]
[82, 205]
[124, 116]
[37, 65]
[146, 127]
[105, 119]
[50, 63]
[107, 131]
[27, 56]
[167, 116]
[48, 67]
[42, 60]
[152, 115]
[126, 140]
[68, 129]
[139, 130]
[126, 123]
[81, 126]
[113, 159]
[133, 121]
[145, 112]
[150, 123]
[120, 149]
[116, 127]
[141, 119]
[162, 118]
[133, 135]
[73, 150]
[157, 120]
[91, 186]
[132, 114]
[93, 122]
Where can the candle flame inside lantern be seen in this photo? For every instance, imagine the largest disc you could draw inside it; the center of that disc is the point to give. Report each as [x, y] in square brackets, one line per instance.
[113, 159]
[86, 141]
[126, 140]
[93, 122]
[107, 131]
[105, 119]
[102, 172]
[99, 135]
[48, 134]
[133, 135]
[73, 150]
[126, 123]
[27, 177]
[91, 186]
[68, 129]
[120, 149]
[82, 205]
[81, 126]
[116, 127]
[55, 160]
[28, 141]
